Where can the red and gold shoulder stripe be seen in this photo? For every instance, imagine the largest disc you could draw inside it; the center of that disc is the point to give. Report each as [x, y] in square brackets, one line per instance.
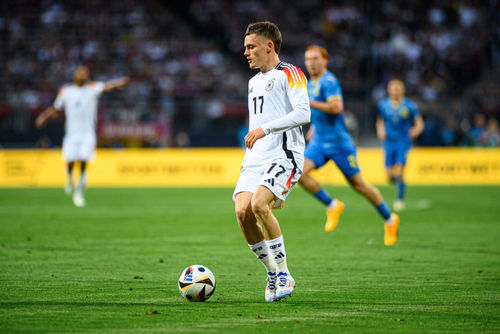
[295, 76]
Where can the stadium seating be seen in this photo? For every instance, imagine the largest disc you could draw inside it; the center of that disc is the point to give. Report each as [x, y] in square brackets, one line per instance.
[185, 62]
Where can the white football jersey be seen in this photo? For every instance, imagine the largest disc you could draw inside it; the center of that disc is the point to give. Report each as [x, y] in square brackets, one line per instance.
[278, 103]
[80, 106]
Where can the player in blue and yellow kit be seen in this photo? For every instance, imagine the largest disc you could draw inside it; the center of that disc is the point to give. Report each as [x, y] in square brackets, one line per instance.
[330, 140]
[398, 123]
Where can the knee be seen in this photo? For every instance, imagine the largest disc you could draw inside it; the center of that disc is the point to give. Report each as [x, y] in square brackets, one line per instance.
[390, 176]
[397, 179]
[259, 208]
[359, 187]
[397, 170]
[396, 175]
[243, 212]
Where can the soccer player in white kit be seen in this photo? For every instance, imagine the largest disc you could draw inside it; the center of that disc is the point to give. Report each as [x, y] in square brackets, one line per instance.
[79, 102]
[278, 105]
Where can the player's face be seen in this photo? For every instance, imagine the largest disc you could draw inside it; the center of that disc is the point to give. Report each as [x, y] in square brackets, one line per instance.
[257, 48]
[81, 75]
[315, 63]
[396, 89]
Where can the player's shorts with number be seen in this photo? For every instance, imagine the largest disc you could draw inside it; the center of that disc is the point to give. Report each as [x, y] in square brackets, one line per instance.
[344, 159]
[79, 147]
[279, 177]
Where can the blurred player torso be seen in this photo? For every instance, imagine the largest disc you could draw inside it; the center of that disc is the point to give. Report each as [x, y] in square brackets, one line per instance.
[268, 100]
[329, 130]
[398, 119]
[80, 107]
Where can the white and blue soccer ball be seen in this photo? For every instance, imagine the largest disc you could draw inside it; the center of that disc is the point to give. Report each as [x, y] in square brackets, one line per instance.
[196, 283]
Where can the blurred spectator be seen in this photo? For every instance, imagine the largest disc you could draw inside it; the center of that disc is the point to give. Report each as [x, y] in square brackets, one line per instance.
[166, 60]
[478, 130]
[182, 140]
[449, 134]
[431, 134]
[183, 56]
[491, 137]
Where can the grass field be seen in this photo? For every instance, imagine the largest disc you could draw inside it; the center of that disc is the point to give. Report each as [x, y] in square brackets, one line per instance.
[113, 266]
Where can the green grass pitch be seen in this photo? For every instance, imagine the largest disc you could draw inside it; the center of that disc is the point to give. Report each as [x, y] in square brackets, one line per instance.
[113, 266]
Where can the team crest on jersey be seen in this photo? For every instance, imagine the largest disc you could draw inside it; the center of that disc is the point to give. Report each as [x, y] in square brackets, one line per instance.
[404, 112]
[269, 85]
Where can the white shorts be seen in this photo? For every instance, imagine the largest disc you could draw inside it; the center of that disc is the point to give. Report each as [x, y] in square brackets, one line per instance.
[80, 147]
[279, 177]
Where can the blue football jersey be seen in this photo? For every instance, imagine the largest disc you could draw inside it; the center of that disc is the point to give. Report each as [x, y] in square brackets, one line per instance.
[329, 130]
[398, 118]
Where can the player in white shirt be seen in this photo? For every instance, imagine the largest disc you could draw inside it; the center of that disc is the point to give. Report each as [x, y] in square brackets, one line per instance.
[278, 105]
[79, 102]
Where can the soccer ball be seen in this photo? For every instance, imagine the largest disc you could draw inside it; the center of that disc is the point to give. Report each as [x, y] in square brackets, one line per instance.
[196, 283]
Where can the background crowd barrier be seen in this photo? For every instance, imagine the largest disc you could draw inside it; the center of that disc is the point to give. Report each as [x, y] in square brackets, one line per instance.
[220, 167]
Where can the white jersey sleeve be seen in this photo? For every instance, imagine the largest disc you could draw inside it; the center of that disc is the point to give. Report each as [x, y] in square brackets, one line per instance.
[296, 91]
[97, 87]
[59, 102]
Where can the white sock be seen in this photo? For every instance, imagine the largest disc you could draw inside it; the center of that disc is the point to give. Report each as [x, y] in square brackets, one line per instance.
[70, 176]
[390, 220]
[82, 183]
[262, 252]
[277, 248]
[332, 204]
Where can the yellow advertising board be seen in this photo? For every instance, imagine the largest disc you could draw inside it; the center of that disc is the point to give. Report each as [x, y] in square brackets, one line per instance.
[220, 167]
[454, 166]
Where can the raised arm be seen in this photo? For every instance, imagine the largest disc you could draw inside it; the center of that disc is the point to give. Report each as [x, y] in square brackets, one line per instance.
[47, 114]
[115, 84]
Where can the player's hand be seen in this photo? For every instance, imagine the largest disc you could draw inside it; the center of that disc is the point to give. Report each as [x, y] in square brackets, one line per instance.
[40, 122]
[412, 133]
[253, 136]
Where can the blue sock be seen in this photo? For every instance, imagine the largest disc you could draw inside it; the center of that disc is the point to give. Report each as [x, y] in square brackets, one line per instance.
[323, 196]
[400, 187]
[384, 211]
[401, 190]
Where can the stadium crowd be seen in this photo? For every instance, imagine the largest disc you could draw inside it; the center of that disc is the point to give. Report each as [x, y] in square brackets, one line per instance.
[187, 73]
